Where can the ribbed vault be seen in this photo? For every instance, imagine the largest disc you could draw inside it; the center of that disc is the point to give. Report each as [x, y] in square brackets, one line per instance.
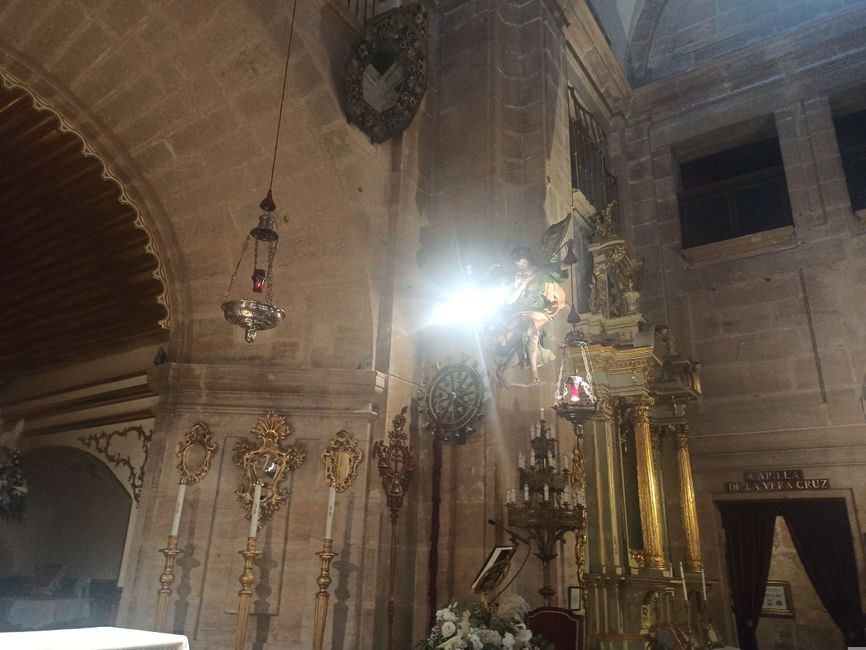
[79, 274]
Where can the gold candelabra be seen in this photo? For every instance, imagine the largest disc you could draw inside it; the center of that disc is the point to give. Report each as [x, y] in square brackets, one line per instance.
[265, 467]
[194, 455]
[165, 580]
[245, 595]
[549, 504]
[340, 460]
[324, 581]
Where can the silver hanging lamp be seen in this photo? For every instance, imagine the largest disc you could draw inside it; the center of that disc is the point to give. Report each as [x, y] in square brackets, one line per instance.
[250, 314]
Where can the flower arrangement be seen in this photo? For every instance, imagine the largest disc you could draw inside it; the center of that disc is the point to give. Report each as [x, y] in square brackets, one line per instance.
[475, 626]
[13, 487]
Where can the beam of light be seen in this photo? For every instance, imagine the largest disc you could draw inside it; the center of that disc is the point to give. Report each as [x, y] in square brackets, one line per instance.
[470, 305]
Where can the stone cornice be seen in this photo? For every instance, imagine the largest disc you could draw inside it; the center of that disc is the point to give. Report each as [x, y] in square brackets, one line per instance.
[240, 388]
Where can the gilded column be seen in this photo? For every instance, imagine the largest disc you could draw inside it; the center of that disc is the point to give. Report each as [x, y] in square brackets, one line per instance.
[649, 489]
[658, 433]
[687, 500]
[605, 466]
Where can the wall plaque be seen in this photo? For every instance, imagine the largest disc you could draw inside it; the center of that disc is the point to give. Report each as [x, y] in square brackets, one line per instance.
[776, 480]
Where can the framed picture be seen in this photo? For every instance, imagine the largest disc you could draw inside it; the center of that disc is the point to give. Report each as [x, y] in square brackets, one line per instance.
[575, 600]
[777, 599]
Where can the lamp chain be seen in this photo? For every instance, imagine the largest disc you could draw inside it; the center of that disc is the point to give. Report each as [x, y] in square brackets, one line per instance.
[561, 392]
[283, 96]
[238, 266]
[269, 296]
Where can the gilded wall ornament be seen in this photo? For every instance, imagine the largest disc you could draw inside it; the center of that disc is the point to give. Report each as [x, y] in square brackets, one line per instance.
[119, 449]
[267, 463]
[194, 454]
[341, 459]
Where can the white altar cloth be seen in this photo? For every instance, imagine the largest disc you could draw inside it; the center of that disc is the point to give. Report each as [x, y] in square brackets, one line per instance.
[93, 638]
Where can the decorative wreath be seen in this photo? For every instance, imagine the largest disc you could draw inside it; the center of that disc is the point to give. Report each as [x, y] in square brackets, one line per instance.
[13, 485]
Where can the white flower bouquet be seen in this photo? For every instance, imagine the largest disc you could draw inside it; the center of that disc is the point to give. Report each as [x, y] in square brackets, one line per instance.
[474, 626]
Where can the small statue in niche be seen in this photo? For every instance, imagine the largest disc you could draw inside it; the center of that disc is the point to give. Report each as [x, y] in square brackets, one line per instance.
[536, 298]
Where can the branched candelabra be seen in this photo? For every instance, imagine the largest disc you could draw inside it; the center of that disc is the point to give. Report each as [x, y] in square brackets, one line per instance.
[547, 505]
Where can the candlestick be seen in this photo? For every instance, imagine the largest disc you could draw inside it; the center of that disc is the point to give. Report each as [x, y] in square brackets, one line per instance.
[170, 552]
[683, 576]
[704, 584]
[324, 581]
[246, 593]
[178, 508]
[254, 511]
[329, 524]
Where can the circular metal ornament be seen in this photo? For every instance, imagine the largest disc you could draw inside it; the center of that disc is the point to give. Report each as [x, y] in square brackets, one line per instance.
[452, 399]
[252, 315]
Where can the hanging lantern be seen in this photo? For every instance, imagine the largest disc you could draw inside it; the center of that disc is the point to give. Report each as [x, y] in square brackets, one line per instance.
[255, 315]
[575, 396]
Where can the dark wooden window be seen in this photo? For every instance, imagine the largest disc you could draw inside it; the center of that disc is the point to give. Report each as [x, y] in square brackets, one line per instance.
[733, 193]
[851, 135]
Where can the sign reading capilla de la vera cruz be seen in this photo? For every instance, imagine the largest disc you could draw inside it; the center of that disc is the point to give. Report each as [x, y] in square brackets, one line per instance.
[776, 480]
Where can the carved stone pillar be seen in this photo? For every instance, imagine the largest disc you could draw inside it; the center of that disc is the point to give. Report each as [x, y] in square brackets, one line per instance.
[649, 490]
[687, 499]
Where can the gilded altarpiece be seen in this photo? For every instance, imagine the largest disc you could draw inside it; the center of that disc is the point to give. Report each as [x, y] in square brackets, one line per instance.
[632, 578]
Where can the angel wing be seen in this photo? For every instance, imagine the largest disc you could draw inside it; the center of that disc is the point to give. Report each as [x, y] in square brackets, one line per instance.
[553, 237]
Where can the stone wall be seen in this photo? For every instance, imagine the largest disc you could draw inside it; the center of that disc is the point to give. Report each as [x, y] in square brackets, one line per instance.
[779, 331]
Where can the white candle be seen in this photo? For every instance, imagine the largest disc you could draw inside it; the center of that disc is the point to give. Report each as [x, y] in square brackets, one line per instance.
[521, 460]
[531, 432]
[332, 499]
[178, 508]
[704, 584]
[546, 492]
[683, 576]
[532, 457]
[526, 493]
[254, 513]
[541, 413]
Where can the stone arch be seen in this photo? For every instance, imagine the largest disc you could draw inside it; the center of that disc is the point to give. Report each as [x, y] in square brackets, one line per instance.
[132, 192]
[641, 39]
[77, 514]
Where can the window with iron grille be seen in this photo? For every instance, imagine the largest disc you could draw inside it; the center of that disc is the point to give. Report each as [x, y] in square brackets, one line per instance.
[589, 172]
[851, 135]
[733, 193]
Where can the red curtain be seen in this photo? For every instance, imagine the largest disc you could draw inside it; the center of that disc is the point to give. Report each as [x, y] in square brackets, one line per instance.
[748, 550]
[822, 536]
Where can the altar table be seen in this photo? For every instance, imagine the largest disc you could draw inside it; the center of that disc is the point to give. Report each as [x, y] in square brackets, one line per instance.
[93, 638]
